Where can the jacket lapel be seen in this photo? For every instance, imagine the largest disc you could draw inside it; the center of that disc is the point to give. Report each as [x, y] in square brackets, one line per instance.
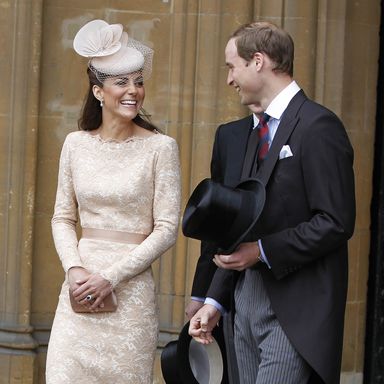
[236, 147]
[287, 125]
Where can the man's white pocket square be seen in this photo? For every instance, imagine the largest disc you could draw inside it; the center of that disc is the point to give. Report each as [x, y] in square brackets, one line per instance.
[285, 152]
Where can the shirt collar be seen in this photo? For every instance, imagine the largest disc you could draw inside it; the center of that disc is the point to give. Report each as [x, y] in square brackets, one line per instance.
[280, 102]
[255, 120]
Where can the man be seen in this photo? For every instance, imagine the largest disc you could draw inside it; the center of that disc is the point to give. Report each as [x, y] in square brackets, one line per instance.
[205, 268]
[289, 297]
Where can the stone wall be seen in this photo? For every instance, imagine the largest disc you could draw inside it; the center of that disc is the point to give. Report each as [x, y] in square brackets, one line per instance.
[43, 84]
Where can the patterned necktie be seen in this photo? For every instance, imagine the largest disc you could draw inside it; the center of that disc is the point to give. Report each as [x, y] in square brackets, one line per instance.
[263, 132]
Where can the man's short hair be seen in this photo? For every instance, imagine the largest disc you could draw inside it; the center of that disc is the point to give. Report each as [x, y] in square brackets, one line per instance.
[269, 39]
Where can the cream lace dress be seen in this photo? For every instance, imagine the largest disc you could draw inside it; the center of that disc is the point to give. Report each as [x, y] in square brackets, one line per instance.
[131, 186]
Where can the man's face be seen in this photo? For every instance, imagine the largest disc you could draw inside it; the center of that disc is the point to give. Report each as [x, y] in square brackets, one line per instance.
[242, 75]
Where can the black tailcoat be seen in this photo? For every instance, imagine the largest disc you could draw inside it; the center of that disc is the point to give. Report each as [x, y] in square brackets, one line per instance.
[308, 217]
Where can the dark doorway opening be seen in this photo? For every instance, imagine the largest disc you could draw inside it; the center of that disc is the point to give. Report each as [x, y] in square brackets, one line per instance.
[374, 343]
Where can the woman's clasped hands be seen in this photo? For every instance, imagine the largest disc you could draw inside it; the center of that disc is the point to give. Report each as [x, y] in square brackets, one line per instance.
[88, 289]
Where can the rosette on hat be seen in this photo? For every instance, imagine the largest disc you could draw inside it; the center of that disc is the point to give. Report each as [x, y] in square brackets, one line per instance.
[98, 38]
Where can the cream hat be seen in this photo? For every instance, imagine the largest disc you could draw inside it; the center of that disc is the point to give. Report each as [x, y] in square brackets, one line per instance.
[111, 52]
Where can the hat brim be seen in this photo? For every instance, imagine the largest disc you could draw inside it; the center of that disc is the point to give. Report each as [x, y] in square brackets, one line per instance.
[189, 362]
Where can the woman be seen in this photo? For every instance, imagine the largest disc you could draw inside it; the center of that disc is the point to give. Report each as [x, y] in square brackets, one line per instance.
[122, 177]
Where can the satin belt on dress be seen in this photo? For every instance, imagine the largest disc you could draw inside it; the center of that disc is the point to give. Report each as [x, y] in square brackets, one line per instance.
[117, 236]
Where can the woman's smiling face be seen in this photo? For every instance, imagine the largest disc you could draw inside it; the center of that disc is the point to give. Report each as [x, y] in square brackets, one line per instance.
[122, 96]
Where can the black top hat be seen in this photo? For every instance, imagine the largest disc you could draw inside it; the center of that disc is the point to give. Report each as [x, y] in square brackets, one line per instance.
[185, 361]
[223, 215]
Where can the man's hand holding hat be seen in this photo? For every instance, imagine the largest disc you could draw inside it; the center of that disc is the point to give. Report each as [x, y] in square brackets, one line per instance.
[245, 256]
[202, 324]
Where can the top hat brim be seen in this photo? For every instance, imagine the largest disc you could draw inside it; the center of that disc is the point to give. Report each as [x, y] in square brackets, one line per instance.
[183, 360]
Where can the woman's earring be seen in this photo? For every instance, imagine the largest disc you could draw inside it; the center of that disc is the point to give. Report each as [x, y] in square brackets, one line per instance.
[101, 103]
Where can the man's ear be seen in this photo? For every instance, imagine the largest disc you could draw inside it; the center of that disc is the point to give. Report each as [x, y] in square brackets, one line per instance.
[258, 59]
[98, 92]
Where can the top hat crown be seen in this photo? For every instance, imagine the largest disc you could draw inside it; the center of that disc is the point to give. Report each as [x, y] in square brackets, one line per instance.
[223, 215]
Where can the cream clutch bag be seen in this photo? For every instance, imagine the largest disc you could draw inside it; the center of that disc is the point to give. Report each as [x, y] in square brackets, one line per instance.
[110, 304]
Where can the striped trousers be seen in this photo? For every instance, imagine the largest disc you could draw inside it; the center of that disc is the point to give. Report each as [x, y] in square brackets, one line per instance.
[263, 351]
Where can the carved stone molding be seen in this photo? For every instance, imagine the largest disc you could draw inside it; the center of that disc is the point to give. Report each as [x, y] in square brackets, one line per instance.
[18, 121]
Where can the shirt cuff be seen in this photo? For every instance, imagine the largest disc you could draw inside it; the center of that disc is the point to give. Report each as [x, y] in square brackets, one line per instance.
[263, 258]
[217, 305]
[195, 298]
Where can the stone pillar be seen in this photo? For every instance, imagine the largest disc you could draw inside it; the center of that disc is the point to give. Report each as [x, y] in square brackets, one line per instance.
[20, 31]
[197, 101]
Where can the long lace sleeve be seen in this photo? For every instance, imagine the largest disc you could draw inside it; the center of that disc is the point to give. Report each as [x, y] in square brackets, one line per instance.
[65, 215]
[166, 212]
